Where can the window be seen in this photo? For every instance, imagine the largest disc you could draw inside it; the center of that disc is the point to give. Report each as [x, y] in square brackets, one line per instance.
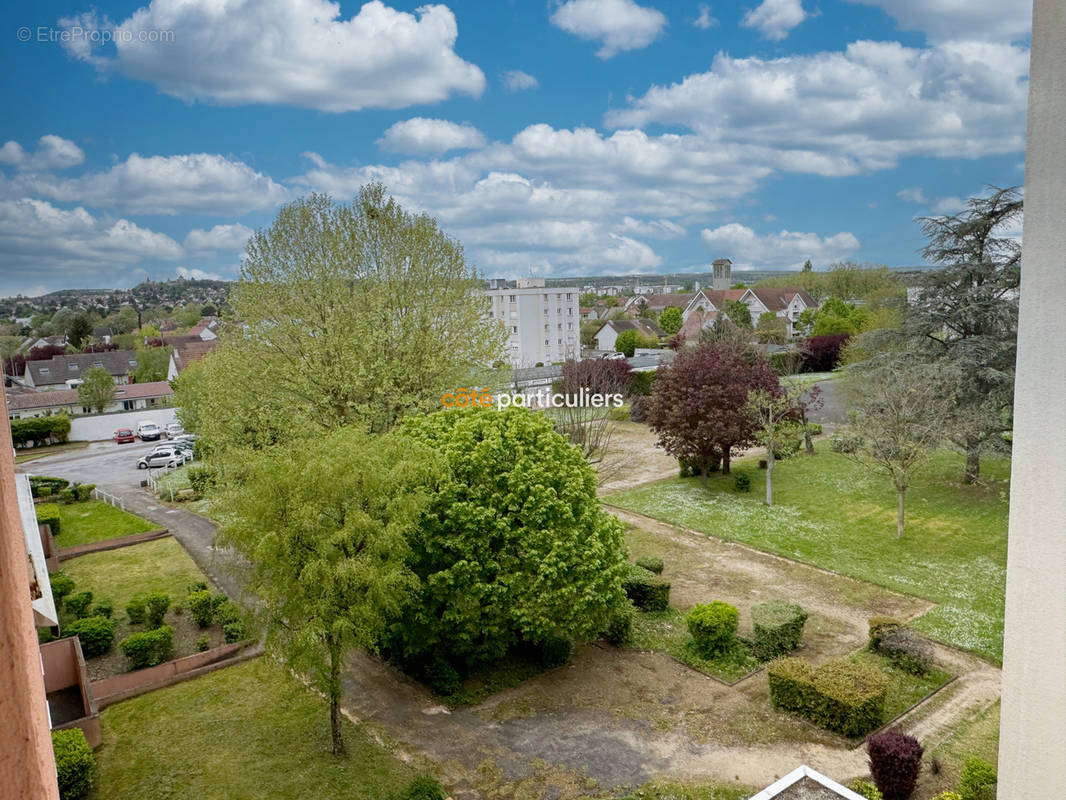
[569, 326]
[72, 367]
[570, 311]
[568, 296]
[546, 326]
[514, 329]
[510, 298]
[44, 370]
[86, 410]
[98, 363]
[133, 362]
[547, 343]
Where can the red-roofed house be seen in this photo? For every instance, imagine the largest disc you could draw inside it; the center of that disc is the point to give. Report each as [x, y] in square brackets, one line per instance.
[128, 397]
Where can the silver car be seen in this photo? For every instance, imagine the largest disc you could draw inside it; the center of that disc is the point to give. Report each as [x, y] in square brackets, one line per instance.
[165, 456]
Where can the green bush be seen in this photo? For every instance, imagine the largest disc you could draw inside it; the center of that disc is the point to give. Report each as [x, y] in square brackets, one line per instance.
[843, 696]
[554, 651]
[907, 650]
[879, 626]
[620, 627]
[40, 430]
[947, 796]
[84, 491]
[233, 632]
[197, 586]
[866, 788]
[48, 514]
[104, 608]
[978, 780]
[442, 677]
[95, 633]
[67, 496]
[424, 787]
[647, 591]
[713, 627]
[201, 479]
[74, 763]
[814, 428]
[135, 608]
[148, 648]
[38, 483]
[226, 612]
[741, 482]
[651, 564]
[155, 609]
[202, 607]
[778, 628]
[62, 585]
[619, 413]
[77, 604]
[203, 643]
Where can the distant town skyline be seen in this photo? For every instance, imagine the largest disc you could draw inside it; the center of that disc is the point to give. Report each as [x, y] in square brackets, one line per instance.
[586, 137]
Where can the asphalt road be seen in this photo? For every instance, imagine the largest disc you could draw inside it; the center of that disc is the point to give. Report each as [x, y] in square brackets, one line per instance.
[113, 468]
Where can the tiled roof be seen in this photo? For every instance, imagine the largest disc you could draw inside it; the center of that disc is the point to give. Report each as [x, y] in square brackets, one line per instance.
[59, 369]
[69, 397]
[777, 299]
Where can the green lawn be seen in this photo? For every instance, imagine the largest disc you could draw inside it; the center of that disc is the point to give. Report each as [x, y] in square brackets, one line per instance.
[117, 575]
[667, 631]
[95, 520]
[904, 689]
[249, 731]
[828, 513]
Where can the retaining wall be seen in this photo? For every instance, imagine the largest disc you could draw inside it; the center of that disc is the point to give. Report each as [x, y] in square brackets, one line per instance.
[111, 544]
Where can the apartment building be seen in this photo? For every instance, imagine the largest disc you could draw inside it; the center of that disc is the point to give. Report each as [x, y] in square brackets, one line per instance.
[543, 324]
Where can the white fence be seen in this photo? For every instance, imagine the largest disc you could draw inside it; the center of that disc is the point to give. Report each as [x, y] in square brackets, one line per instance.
[109, 498]
[103, 426]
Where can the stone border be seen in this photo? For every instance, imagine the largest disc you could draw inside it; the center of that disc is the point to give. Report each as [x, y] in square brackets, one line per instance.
[109, 691]
[74, 551]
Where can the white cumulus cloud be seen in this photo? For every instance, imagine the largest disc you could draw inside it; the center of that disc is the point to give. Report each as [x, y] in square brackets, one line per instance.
[775, 18]
[220, 238]
[943, 20]
[420, 136]
[704, 20]
[783, 249]
[53, 152]
[198, 274]
[292, 52]
[618, 25]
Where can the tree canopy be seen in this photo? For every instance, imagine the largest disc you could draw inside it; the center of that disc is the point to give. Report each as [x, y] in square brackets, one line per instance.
[97, 390]
[671, 320]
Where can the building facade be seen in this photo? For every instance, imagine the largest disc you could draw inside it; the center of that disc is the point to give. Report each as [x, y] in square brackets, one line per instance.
[543, 324]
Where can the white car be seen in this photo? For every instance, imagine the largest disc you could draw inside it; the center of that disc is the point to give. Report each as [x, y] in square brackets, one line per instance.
[173, 429]
[163, 456]
[148, 431]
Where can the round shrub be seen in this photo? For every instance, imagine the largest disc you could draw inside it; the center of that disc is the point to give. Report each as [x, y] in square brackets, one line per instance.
[103, 609]
[233, 632]
[67, 496]
[155, 609]
[424, 787]
[201, 605]
[62, 585]
[148, 648]
[651, 564]
[895, 761]
[78, 604]
[95, 633]
[135, 609]
[866, 788]
[74, 763]
[84, 491]
[978, 780]
[226, 612]
[741, 482]
[203, 643]
[879, 626]
[713, 627]
[907, 650]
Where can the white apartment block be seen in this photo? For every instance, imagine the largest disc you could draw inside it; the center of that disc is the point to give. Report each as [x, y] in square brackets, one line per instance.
[543, 324]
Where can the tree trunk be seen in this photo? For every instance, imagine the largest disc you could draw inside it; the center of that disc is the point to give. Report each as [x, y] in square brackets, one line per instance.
[725, 459]
[900, 492]
[770, 475]
[973, 462]
[335, 699]
[807, 440]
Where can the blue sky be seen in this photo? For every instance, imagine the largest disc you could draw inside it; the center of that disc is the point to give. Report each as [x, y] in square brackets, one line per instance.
[554, 138]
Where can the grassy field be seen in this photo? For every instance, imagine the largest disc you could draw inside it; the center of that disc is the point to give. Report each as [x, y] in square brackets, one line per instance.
[249, 731]
[95, 520]
[828, 513]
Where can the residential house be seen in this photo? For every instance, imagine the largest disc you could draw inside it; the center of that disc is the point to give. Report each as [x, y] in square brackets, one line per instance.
[187, 352]
[804, 783]
[543, 324]
[708, 300]
[128, 397]
[656, 302]
[65, 372]
[607, 335]
[787, 302]
[695, 323]
[206, 329]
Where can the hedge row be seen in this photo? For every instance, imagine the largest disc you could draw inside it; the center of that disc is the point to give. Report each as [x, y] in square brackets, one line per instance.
[843, 696]
[647, 591]
[74, 763]
[38, 431]
[48, 514]
[43, 485]
[777, 628]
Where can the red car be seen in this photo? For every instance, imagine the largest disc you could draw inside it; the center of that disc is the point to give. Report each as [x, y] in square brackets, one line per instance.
[123, 436]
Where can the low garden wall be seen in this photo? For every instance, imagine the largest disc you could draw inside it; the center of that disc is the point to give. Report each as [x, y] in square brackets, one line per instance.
[64, 669]
[66, 553]
[130, 684]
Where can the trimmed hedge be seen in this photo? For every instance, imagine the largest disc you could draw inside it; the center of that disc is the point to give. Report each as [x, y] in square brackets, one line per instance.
[62, 585]
[77, 605]
[650, 563]
[74, 763]
[620, 627]
[978, 780]
[48, 514]
[38, 431]
[647, 591]
[895, 763]
[907, 650]
[778, 628]
[155, 609]
[53, 485]
[135, 608]
[148, 648]
[713, 627]
[842, 696]
[96, 634]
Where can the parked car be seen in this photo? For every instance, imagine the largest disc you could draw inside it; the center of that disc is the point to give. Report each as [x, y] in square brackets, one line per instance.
[148, 431]
[164, 456]
[173, 429]
[124, 436]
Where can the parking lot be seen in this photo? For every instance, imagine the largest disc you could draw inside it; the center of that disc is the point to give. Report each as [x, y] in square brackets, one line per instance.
[110, 466]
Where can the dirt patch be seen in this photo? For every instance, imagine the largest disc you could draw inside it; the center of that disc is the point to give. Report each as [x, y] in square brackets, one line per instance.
[633, 458]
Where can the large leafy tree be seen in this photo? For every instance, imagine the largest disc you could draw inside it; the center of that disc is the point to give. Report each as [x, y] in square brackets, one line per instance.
[345, 314]
[324, 528]
[698, 403]
[97, 390]
[79, 331]
[152, 364]
[963, 319]
[671, 320]
[514, 547]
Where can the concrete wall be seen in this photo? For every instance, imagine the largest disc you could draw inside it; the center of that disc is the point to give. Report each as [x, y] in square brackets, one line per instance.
[103, 426]
[1032, 740]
